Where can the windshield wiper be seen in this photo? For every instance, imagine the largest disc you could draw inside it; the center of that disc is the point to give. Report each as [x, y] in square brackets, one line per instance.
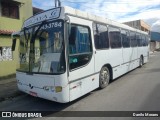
[36, 32]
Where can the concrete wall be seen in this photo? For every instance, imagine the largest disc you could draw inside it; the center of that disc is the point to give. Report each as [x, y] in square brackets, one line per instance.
[154, 46]
[157, 45]
[8, 67]
[10, 24]
[25, 11]
[139, 24]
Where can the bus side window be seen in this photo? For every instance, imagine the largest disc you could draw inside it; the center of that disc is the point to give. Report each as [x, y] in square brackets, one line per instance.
[101, 39]
[115, 37]
[143, 40]
[139, 39]
[80, 47]
[133, 39]
[125, 38]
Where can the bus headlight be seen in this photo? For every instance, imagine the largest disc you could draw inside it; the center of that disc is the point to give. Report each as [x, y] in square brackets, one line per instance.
[58, 89]
[52, 88]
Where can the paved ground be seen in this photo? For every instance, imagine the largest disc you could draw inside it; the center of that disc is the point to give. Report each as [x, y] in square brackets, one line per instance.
[8, 89]
[135, 91]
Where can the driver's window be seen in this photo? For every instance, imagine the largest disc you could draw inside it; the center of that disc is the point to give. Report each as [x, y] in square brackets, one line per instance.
[80, 47]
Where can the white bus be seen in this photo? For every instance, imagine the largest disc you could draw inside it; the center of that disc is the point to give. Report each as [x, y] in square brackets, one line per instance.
[66, 53]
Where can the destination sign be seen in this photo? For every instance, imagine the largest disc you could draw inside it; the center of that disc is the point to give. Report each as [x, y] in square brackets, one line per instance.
[50, 14]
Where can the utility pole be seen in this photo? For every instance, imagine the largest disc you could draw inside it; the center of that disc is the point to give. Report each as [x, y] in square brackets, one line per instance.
[57, 3]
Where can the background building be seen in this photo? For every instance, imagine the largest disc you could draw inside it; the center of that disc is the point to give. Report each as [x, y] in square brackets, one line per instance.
[155, 41]
[36, 10]
[155, 36]
[139, 24]
[12, 15]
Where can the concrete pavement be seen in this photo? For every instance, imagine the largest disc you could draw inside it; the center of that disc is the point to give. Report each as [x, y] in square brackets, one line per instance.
[8, 89]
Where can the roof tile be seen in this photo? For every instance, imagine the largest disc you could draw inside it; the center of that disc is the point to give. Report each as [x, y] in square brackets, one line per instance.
[6, 32]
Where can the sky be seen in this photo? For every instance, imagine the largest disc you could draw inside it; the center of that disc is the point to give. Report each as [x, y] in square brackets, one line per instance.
[118, 10]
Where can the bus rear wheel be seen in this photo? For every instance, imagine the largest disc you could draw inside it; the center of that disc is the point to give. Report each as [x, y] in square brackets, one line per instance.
[104, 77]
[141, 62]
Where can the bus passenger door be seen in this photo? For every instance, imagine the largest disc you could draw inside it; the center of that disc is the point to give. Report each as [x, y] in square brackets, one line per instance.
[81, 61]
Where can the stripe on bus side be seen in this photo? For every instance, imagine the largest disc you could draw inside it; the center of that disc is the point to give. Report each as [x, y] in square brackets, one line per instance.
[72, 81]
[82, 77]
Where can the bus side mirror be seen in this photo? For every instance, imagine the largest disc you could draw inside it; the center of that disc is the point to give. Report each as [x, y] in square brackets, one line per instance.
[14, 44]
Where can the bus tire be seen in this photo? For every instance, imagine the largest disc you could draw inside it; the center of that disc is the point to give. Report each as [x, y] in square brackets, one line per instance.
[104, 77]
[141, 62]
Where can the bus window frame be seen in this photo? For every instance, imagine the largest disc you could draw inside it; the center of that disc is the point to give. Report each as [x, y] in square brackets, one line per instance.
[128, 31]
[135, 39]
[106, 25]
[110, 39]
[91, 43]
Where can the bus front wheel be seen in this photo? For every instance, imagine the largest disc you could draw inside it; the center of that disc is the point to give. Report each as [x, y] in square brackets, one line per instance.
[104, 77]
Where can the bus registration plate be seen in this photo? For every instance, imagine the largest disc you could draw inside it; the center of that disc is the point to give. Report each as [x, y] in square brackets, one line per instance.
[33, 93]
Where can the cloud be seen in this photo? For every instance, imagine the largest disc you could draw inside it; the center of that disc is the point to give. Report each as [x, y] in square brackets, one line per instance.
[157, 23]
[142, 15]
[43, 4]
[119, 10]
[156, 26]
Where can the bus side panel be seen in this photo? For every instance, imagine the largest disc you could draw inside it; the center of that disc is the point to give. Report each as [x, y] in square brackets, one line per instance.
[112, 57]
[134, 57]
[62, 81]
[84, 86]
[101, 58]
[80, 78]
[75, 90]
[127, 58]
[146, 54]
[140, 51]
[90, 83]
[116, 59]
[144, 51]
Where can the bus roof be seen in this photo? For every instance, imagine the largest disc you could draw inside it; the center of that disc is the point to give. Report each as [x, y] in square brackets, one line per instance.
[59, 13]
[85, 15]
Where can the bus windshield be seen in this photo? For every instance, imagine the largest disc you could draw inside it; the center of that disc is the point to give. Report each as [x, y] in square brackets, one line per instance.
[42, 48]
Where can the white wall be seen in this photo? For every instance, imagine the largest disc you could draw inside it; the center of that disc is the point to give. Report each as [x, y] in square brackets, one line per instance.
[154, 45]
[157, 45]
